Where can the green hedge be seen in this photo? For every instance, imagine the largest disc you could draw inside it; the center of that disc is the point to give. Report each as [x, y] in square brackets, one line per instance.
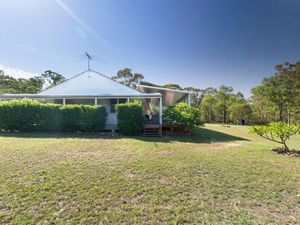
[181, 114]
[85, 118]
[50, 117]
[28, 115]
[130, 118]
[20, 115]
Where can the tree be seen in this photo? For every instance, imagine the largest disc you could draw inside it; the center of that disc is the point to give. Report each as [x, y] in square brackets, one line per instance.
[263, 110]
[172, 86]
[224, 98]
[278, 97]
[52, 78]
[197, 95]
[149, 84]
[277, 132]
[128, 78]
[291, 72]
[9, 84]
[32, 85]
[208, 105]
[240, 111]
[4, 80]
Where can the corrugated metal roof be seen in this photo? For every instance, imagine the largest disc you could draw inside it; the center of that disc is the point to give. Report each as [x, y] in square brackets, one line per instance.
[91, 83]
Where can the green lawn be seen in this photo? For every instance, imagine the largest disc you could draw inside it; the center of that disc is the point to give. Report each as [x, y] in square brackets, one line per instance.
[223, 175]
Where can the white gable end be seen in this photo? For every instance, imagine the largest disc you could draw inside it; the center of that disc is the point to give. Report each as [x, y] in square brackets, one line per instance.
[91, 83]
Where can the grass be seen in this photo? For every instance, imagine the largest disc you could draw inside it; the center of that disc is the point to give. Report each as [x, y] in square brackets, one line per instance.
[222, 175]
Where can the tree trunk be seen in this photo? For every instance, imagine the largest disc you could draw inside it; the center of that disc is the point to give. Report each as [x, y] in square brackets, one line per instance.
[289, 114]
[280, 113]
[285, 147]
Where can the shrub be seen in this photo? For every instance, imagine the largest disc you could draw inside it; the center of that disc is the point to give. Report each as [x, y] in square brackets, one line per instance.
[71, 117]
[277, 132]
[181, 114]
[21, 115]
[84, 118]
[130, 118]
[50, 117]
[93, 118]
[29, 115]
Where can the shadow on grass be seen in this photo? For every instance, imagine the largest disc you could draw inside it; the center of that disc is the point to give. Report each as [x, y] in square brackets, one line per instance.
[201, 135]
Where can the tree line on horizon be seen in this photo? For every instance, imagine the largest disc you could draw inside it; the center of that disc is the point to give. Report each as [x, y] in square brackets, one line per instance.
[277, 98]
[33, 85]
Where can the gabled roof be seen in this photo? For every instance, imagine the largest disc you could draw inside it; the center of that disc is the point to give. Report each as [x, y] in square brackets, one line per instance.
[91, 83]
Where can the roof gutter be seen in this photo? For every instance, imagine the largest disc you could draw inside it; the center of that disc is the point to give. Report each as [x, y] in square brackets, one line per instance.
[38, 96]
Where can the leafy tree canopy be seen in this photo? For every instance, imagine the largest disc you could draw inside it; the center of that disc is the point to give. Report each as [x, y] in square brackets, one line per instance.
[277, 132]
[9, 84]
[278, 96]
[53, 78]
[128, 78]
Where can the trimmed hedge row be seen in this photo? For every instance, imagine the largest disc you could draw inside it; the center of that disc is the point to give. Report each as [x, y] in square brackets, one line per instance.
[29, 115]
[130, 118]
[85, 118]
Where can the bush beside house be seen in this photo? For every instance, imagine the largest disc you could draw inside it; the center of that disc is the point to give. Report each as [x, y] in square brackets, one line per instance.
[130, 118]
[29, 115]
[181, 114]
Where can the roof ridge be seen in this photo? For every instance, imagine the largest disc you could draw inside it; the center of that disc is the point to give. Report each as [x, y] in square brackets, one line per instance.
[115, 80]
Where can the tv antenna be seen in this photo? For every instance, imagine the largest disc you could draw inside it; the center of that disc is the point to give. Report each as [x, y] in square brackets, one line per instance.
[89, 58]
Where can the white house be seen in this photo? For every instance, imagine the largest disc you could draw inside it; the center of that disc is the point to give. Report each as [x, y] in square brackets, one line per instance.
[93, 88]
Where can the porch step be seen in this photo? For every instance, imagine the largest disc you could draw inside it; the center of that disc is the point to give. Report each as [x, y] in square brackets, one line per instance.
[112, 127]
[152, 130]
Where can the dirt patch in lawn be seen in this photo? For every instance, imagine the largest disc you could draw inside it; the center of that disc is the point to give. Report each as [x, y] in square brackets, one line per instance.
[158, 153]
[225, 145]
[128, 174]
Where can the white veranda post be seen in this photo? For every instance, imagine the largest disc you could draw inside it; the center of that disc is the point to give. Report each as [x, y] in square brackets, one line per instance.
[160, 110]
[189, 99]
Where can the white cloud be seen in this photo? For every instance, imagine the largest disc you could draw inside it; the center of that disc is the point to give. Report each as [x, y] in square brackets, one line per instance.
[16, 73]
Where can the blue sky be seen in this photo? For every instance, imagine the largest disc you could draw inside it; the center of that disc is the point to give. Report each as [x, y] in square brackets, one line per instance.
[198, 43]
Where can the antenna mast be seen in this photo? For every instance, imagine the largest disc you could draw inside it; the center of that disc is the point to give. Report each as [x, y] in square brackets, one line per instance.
[89, 58]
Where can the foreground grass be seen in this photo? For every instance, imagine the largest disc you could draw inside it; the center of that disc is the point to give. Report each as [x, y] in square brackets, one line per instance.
[222, 175]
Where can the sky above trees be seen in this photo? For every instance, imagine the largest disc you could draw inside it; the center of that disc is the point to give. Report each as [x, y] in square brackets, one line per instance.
[198, 43]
